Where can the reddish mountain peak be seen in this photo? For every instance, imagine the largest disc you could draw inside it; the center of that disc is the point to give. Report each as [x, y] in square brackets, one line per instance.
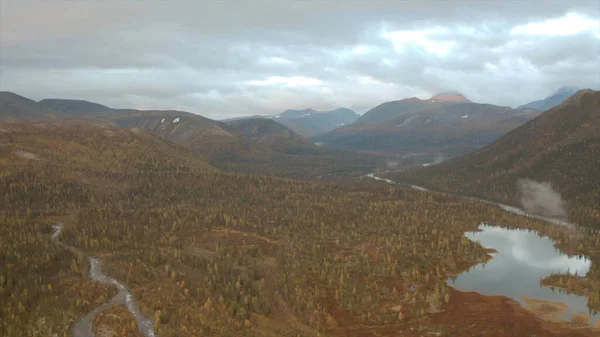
[449, 96]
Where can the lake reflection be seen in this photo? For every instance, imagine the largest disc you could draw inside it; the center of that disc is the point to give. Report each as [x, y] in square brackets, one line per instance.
[523, 258]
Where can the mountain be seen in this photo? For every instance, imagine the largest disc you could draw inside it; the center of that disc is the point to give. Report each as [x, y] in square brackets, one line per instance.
[447, 124]
[211, 138]
[75, 107]
[389, 110]
[560, 147]
[273, 135]
[257, 147]
[310, 122]
[449, 96]
[551, 101]
[17, 108]
[254, 146]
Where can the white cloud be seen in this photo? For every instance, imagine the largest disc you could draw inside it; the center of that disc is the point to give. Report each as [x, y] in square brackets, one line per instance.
[292, 81]
[275, 60]
[570, 24]
[284, 55]
[424, 38]
[361, 49]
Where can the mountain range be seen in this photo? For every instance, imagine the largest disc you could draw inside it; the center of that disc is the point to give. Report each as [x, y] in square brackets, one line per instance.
[447, 123]
[259, 146]
[15, 108]
[410, 130]
[561, 148]
[310, 122]
[554, 99]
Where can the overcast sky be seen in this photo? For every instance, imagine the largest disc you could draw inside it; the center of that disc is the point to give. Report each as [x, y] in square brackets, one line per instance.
[225, 59]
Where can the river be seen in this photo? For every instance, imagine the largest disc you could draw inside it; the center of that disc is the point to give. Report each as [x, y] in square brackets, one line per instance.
[84, 327]
[507, 208]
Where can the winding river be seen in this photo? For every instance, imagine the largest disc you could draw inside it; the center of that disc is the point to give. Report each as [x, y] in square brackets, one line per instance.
[507, 208]
[84, 327]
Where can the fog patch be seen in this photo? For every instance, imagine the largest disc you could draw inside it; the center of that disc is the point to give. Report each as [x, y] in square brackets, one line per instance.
[391, 164]
[541, 198]
[438, 159]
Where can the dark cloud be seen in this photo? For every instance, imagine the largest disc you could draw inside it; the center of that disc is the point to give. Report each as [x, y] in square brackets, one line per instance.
[222, 59]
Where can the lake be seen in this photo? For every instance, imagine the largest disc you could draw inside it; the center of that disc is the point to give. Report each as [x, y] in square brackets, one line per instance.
[523, 259]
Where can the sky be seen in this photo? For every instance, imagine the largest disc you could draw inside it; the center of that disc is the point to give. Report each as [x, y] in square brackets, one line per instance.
[228, 59]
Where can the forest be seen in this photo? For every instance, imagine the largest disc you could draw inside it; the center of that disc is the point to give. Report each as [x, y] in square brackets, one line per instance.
[208, 253]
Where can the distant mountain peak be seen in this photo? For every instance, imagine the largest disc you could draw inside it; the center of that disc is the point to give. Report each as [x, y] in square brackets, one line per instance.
[564, 90]
[449, 96]
[554, 99]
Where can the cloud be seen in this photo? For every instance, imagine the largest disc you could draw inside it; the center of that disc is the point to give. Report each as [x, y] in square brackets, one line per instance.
[424, 39]
[541, 198]
[570, 24]
[292, 81]
[225, 59]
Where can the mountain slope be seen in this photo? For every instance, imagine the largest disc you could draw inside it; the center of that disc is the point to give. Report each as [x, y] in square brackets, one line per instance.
[450, 125]
[259, 151]
[320, 122]
[263, 148]
[395, 109]
[273, 135]
[551, 101]
[75, 107]
[310, 122]
[561, 146]
[15, 108]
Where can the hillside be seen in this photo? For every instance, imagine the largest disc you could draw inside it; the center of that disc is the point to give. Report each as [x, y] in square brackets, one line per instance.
[18, 108]
[260, 151]
[449, 96]
[309, 122]
[207, 253]
[447, 124]
[551, 101]
[75, 107]
[271, 150]
[395, 109]
[561, 146]
[273, 135]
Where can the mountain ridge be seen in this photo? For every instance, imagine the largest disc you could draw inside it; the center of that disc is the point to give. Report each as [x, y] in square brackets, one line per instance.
[552, 100]
[270, 149]
[427, 127]
[310, 122]
[560, 146]
[14, 107]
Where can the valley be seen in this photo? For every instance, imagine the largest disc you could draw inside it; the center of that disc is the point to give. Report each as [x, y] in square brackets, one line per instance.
[299, 168]
[281, 258]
